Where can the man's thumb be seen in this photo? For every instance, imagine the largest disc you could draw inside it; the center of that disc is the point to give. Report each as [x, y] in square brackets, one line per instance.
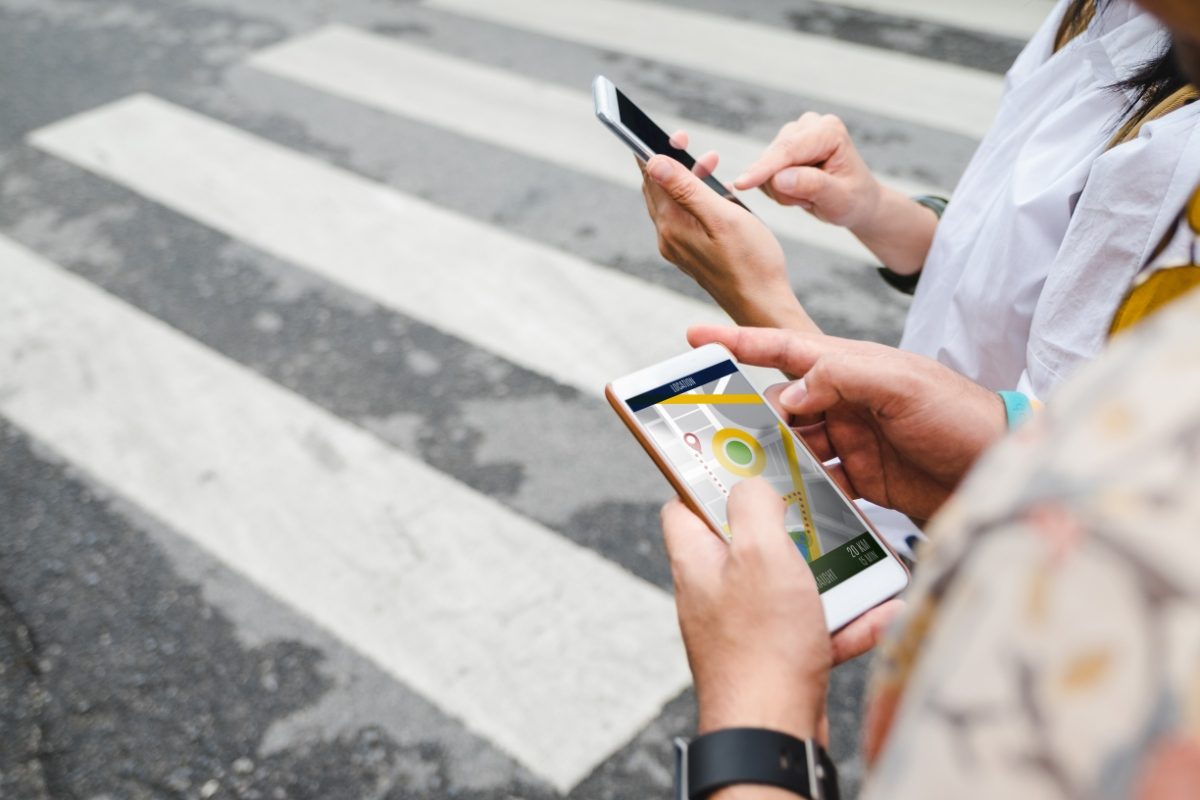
[821, 388]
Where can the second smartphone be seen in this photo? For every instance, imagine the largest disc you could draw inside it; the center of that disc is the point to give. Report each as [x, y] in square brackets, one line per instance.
[707, 427]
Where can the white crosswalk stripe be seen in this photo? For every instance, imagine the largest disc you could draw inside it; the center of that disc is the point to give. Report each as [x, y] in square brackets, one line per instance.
[553, 653]
[498, 291]
[892, 84]
[501, 108]
[1016, 18]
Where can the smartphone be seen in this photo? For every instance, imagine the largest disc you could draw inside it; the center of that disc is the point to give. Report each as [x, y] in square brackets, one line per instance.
[640, 133]
[707, 427]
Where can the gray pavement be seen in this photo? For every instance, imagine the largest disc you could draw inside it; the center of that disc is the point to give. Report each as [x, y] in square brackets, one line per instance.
[136, 663]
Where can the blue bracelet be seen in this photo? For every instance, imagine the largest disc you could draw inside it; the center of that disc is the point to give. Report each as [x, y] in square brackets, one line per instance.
[1016, 407]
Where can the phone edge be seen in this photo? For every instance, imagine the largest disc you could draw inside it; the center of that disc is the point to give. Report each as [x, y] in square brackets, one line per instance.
[680, 490]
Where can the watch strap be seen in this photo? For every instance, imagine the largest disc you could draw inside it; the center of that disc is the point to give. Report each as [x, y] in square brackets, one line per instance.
[735, 756]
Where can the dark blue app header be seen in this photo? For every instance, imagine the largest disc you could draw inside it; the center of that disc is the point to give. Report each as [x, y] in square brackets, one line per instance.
[708, 375]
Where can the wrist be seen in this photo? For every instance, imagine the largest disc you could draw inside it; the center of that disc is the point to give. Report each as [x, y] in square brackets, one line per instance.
[899, 232]
[796, 716]
[871, 216]
[1017, 408]
[774, 306]
[983, 424]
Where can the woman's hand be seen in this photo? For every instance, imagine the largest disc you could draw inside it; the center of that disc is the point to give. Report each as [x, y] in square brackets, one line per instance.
[814, 164]
[724, 248]
[905, 427]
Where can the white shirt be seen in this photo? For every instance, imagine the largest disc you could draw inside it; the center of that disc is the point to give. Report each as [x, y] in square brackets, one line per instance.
[1048, 227]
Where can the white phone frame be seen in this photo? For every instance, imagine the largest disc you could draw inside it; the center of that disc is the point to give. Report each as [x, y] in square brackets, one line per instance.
[852, 597]
[604, 96]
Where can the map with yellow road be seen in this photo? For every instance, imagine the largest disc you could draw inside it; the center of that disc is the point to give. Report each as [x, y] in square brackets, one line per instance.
[722, 431]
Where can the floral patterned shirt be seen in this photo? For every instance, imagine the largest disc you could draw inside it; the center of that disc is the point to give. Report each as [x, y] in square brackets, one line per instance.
[1051, 648]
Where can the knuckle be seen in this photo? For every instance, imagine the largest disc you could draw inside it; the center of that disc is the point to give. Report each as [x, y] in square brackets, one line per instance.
[685, 193]
[837, 126]
[718, 225]
[819, 373]
[749, 551]
[665, 248]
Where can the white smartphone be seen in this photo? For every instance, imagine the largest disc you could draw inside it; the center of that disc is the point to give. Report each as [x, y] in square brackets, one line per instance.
[646, 139]
[707, 427]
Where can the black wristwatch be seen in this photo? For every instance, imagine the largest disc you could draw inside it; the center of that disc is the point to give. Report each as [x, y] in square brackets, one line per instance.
[753, 755]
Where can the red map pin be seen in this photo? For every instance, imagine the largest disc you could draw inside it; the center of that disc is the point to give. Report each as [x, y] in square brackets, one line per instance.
[692, 441]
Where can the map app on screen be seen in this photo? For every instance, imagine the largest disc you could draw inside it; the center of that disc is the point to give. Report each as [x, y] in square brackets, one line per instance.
[716, 429]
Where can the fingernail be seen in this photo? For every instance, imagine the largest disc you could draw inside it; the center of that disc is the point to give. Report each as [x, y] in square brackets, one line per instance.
[660, 170]
[745, 176]
[785, 180]
[794, 394]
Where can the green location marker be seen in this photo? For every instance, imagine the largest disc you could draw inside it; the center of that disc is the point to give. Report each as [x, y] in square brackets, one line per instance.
[739, 453]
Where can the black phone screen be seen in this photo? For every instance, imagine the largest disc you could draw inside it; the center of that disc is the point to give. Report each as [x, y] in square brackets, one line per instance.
[651, 135]
[659, 141]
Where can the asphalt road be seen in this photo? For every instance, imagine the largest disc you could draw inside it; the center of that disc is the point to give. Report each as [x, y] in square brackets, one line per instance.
[306, 486]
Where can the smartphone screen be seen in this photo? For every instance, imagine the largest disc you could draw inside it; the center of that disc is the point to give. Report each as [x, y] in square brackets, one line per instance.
[716, 430]
[651, 135]
[659, 141]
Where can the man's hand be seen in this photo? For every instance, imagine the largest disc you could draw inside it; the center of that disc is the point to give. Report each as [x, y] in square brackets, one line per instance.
[724, 248]
[905, 427]
[751, 617]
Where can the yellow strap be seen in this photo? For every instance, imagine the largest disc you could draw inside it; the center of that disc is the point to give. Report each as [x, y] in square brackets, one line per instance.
[1156, 288]
[1173, 102]
[1149, 295]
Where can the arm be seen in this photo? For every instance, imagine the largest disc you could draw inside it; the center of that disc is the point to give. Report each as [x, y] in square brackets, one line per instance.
[899, 232]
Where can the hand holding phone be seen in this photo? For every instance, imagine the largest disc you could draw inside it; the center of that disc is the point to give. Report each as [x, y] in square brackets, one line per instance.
[707, 428]
[732, 256]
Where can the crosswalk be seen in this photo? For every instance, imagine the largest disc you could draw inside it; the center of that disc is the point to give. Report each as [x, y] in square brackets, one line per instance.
[357, 65]
[893, 84]
[490, 616]
[472, 280]
[523, 633]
